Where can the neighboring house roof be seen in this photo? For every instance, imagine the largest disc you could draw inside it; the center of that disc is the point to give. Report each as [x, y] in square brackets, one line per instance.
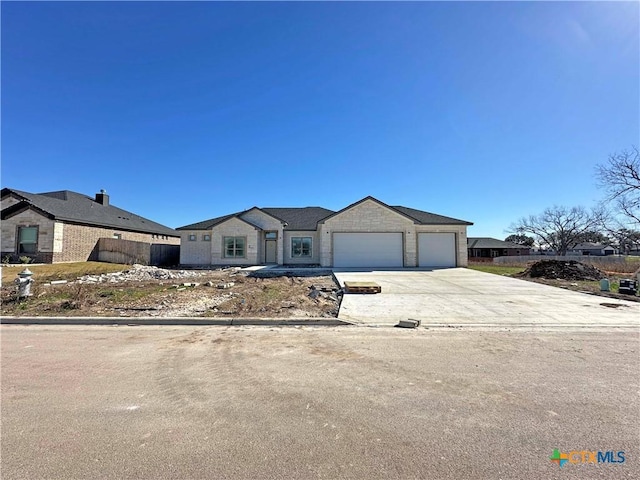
[75, 207]
[592, 246]
[488, 242]
[307, 218]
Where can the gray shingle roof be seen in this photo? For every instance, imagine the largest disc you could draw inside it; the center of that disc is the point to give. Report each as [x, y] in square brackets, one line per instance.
[427, 218]
[307, 218]
[591, 246]
[209, 224]
[487, 242]
[303, 218]
[75, 207]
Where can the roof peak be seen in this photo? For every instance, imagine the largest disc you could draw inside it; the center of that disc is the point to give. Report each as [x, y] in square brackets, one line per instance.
[70, 206]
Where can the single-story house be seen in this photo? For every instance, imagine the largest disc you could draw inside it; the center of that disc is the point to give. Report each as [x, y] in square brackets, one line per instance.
[367, 233]
[486, 247]
[589, 248]
[65, 226]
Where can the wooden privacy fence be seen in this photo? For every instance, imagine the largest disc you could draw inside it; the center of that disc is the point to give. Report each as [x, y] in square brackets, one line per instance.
[115, 250]
[163, 254]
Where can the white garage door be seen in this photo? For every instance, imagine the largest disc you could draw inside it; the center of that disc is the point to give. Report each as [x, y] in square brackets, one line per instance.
[367, 250]
[437, 249]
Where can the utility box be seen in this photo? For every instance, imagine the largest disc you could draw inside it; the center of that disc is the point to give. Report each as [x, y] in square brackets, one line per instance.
[628, 287]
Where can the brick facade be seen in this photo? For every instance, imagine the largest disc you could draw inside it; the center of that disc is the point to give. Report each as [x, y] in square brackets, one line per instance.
[66, 242]
[46, 235]
[79, 241]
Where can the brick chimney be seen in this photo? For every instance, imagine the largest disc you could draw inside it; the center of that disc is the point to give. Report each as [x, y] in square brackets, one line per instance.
[102, 198]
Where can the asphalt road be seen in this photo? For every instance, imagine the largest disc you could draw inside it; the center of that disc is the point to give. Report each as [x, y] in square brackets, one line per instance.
[315, 402]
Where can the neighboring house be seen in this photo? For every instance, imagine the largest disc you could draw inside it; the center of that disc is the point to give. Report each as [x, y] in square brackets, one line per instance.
[367, 233]
[597, 249]
[485, 247]
[65, 226]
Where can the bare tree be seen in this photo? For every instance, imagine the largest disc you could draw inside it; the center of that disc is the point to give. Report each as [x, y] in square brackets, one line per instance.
[559, 228]
[626, 240]
[620, 177]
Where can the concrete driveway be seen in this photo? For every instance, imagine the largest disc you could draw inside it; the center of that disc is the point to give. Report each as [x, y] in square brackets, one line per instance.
[459, 296]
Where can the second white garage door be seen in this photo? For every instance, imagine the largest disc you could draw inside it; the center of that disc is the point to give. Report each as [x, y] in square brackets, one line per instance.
[437, 249]
[367, 250]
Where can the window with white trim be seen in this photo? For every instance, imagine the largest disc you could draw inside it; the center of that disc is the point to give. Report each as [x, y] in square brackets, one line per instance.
[235, 247]
[300, 247]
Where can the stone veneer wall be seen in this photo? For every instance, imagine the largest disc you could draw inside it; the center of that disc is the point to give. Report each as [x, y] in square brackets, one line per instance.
[369, 216]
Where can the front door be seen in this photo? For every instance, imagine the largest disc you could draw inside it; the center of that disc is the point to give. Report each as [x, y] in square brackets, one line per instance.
[270, 247]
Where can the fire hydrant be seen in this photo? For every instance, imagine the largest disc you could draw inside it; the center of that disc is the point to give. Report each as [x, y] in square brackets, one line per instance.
[24, 282]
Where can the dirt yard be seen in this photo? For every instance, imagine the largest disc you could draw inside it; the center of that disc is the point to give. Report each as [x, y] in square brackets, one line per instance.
[573, 275]
[149, 291]
[570, 275]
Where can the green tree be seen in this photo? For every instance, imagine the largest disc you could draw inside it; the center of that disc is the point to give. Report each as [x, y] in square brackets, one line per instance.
[594, 236]
[521, 240]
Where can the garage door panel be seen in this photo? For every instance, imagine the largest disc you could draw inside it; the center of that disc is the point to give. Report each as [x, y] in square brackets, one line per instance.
[367, 250]
[437, 249]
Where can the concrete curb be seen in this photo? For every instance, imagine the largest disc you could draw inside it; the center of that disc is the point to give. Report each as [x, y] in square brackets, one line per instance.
[459, 326]
[283, 322]
[195, 321]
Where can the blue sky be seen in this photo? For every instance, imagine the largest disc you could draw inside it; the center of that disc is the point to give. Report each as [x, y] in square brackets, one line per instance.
[187, 111]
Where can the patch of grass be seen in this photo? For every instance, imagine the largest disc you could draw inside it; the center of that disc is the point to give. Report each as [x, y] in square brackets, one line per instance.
[496, 269]
[61, 271]
[272, 292]
[76, 299]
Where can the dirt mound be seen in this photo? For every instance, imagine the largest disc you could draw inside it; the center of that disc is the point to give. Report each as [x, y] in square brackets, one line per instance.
[563, 269]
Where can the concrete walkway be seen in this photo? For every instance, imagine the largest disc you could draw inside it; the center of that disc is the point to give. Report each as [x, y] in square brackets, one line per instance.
[458, 296]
